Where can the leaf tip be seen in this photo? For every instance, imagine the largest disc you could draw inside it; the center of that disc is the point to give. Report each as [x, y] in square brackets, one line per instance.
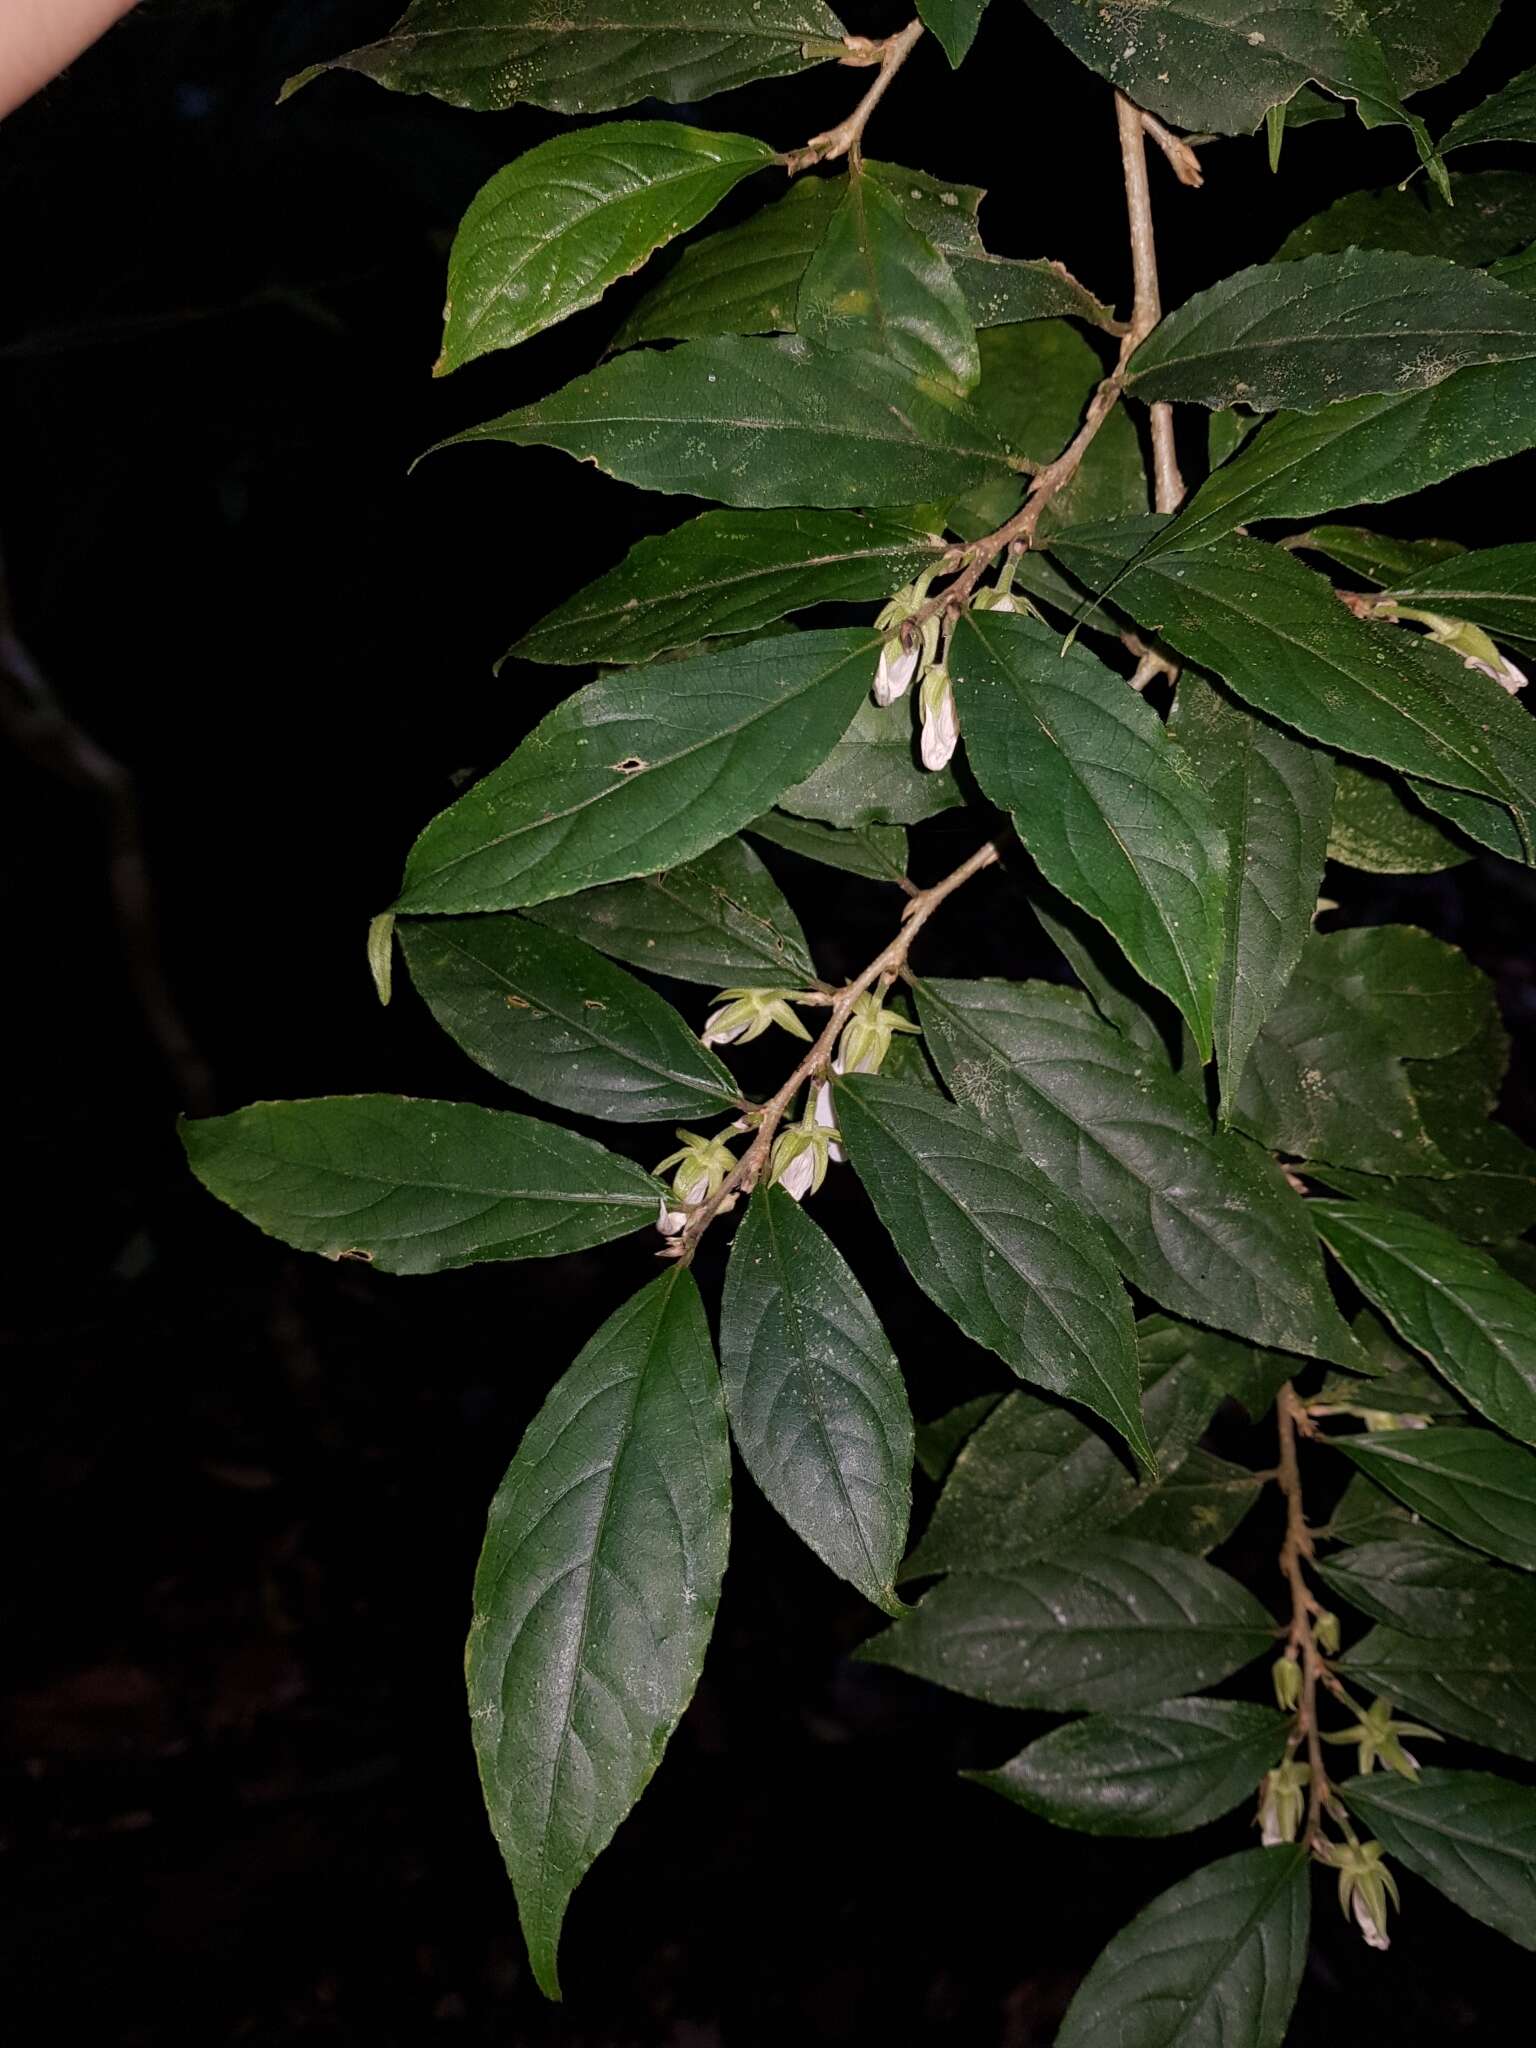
[299, 80]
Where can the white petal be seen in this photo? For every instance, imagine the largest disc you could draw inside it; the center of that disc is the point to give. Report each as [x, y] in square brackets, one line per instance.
[894, 673]
[1375, 1937]
[940, 732]
[826, 1116]
[710, 1036]
[1005, 603]
[670, 1221]
[1506, 674]
[798, 1174]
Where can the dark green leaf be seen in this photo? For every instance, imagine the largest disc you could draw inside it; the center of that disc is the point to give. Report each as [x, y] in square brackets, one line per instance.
[1273, 797]
[1480, 1687]
[1399, 1382]
[1198, 1219]
[625, 778]
[1509, 116]
[1478, 1486]
[1101, 796]
[816, 1398]
[1494, 213]
[1203, 64]
[1449, 1300]
[547, 1014]
[1377, 826]
[753, 422]
[1427, 41]
[549, 233]
[938, 1442]
[1100, 1626]
[877, 852]
[1426, 1585]
[416, 1187]
[728, 572]
[595, 1595]
[1364, 1514]
[875, 283]
[1473, 1836]
[491, 54]
[954, 22]
[1378, 557]
[717, 920]
[873, 776]
[1159, 1772]
[988, 1238]
[1213, 1963]
[1494, 588]
[1196, 1507]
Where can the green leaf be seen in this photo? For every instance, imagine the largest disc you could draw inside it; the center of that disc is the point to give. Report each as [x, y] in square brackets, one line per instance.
[1159, 1772]
[753, 422]
[1402, 1383]
[1509, 116]
[1378, 827]
[1518, 271]
[1273, 798]
[1426, 42]
[954, 22]
[1100, 795]
[1364, 452]
[1377, 557]
[1480, 1687]
[549, 233]
[1426, 1585]
[988, 1238]
[1202, 64]
[1036, 1478]
[718, 919]
[1476, 1485]
[1473, 1836]
[877, 852]
[815, 1396]
[1364, 1514]
[595, 1595]
[1474, 1323]
[1495, 588]
[1196, 1507]
[872, 776]
[547, 1014]
[1307, 334]
[875, 283]
[1275, 633]
[416, 1187]
[728, 572]
[1492, 214]
[746, 279]
[492, 54]
[1100, 1626]
[1214, 1963]
[1198, 1219]
[938, 1442]
[625, 777]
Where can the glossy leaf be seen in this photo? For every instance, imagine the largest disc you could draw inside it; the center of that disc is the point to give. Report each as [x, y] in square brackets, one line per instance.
[1214, 1963]
[954, 22]
[1198, 1219]
[1377, 826]
[551, 1016]
[549, 233]
[416, 1187]
[1099, 1626]
[1426, 42]
[1481, 1687]
[1491, 214]
[1478, 1486]
[1426, 1585]
[1159, 1772]
[1509, 116]
[938, 1442]
[728, 572]
[988, 1238]
[1472, 1835]
[491, 54]
[815, 1396]
[1273, 798]
[718, 919]
[753, 422]
[595, 1595]
[1309, 333]
[1105, 802]
[877, 852]
[1495, 588]
[1379, 558]
[875, 283]
[1474, 1323]
[624, 778]
[873, 776]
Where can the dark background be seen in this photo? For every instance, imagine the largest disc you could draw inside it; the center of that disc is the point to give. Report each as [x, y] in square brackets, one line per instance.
[244, 1490]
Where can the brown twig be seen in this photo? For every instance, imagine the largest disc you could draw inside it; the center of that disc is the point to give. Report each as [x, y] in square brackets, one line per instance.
[1167, 484]
[1301, 1643]
[885, 966]
[846, 139]
[1178, 150]
[1150, 661]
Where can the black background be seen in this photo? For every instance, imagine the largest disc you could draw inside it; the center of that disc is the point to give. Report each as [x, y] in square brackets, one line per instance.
[244, 1491]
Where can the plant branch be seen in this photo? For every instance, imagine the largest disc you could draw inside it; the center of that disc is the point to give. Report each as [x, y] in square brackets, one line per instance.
[846, 139]
[1178, 150]
[885, 966]
[1301, 1643]
[1168, 485]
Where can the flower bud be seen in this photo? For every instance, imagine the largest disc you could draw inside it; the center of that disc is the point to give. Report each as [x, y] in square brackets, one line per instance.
[1286, 1675]
[702, 1165]
[825, 1115]
[800, 1158]
[895, 670]
[746, 1013]
[941, 721]
[1282, 1801]
[1365, 1886]
[1477, 651]
[1325, 1627]
[867, 1036]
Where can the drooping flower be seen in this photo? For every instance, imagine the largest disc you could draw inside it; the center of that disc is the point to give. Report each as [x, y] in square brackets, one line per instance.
[941, 721]
[702, 1164]
[894, 671]
[1365, 1886]
[801, 1154]
[867, 1036]
[1379, 1737]
[1282, 1801]
[746, 1013]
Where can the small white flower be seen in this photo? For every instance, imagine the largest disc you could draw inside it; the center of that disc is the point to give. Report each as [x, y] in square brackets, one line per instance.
[941, 721]
[1376, 1935]
[797, 1177]
[826, 1116]
[670, 1221]
[895, 670]
[1506, 675]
